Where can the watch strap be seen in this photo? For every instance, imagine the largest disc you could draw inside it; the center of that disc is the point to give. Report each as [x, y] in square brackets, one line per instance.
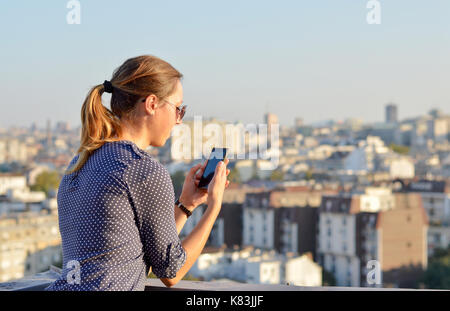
[183, 208]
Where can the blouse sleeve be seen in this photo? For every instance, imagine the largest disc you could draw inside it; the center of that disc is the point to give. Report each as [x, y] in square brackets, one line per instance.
[152, 198]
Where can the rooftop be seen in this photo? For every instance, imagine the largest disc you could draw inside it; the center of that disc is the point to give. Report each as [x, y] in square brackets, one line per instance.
[40, 281]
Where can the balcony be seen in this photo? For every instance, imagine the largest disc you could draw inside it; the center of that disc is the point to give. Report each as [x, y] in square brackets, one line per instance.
[40, 281]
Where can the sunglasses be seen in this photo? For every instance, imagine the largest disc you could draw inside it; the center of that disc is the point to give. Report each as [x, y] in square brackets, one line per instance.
[180, 110]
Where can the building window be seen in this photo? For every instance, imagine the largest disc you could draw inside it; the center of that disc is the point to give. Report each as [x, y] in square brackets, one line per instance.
[437, 237]
[329, 204]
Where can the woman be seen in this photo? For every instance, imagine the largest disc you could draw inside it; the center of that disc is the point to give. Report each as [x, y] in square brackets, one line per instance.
[117, 212]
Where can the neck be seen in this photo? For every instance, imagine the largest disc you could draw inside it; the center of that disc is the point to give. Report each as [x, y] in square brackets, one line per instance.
[139, 136]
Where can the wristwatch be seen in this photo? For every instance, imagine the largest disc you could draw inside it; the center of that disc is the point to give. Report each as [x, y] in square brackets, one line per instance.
[183, 208]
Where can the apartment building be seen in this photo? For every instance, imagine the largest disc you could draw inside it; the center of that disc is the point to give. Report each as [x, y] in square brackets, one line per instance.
[435, 197]
[253, 265]
[356, 229]
[11, 181]
[436, 201]
[282, 220]
[29, 243]
[13, 150]
[227, 229]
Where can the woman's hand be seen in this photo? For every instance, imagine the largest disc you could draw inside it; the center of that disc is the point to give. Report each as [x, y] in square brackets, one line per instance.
[218, 184]
[192, 196]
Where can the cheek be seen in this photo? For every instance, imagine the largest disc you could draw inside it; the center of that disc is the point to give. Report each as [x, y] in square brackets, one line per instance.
[166, 126]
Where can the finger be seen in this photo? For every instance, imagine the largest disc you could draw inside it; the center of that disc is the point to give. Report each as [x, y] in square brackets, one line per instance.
[202, 169]
[199, 175]
[223, 170]
[228, 172]
[220, 166]
[193, 170]
[219, 169]
[227, 183]
[226, 161]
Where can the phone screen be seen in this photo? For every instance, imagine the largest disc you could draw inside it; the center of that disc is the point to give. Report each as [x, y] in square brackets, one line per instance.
[217, 155]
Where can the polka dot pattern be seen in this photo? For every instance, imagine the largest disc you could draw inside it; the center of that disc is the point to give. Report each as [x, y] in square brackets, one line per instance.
[116, 218]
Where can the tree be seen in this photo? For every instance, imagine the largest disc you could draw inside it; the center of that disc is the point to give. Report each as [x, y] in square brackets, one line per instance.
[437, 275]
[277, 175]
[309, 175]
[399, 148]
[46, 181]
[328, 278]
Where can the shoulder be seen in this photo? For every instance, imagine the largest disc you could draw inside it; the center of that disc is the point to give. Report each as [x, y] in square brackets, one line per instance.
[148, 170]
[148, 179]
[136, 164]
[117, 156]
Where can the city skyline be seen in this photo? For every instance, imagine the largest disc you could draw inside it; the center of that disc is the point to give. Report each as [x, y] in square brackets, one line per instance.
[44, 124]
[312, 60]
[336, 120]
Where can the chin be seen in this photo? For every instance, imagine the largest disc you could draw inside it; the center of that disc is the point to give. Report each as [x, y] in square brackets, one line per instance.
[159, 143]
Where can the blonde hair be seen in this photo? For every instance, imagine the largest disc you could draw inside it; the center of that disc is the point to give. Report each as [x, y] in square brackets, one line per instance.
[137, 77]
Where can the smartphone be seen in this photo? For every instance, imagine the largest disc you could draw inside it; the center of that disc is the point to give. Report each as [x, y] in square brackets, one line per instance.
[217, 155]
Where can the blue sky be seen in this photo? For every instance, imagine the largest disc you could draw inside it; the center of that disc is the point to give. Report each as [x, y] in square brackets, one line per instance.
[315, 59]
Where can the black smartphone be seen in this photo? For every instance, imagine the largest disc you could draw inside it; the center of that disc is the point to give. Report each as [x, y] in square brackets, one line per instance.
[217, 155]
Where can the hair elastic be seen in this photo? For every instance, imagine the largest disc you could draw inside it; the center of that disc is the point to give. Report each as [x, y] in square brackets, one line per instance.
[108, 86]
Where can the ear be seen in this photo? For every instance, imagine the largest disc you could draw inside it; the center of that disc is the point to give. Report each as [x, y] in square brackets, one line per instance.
[151, 103]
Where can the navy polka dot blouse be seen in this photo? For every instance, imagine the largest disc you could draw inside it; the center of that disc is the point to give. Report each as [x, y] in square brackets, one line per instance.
[116, 218]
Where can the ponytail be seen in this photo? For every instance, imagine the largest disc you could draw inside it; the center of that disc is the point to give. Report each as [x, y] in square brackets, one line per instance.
[98, 126]
[136, 78]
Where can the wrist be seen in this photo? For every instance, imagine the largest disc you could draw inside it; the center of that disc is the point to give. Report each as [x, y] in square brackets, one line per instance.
[183, 208]
[214, 204]
[191, 207]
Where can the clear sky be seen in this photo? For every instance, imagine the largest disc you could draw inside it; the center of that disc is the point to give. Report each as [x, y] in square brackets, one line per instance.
[315, 59]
